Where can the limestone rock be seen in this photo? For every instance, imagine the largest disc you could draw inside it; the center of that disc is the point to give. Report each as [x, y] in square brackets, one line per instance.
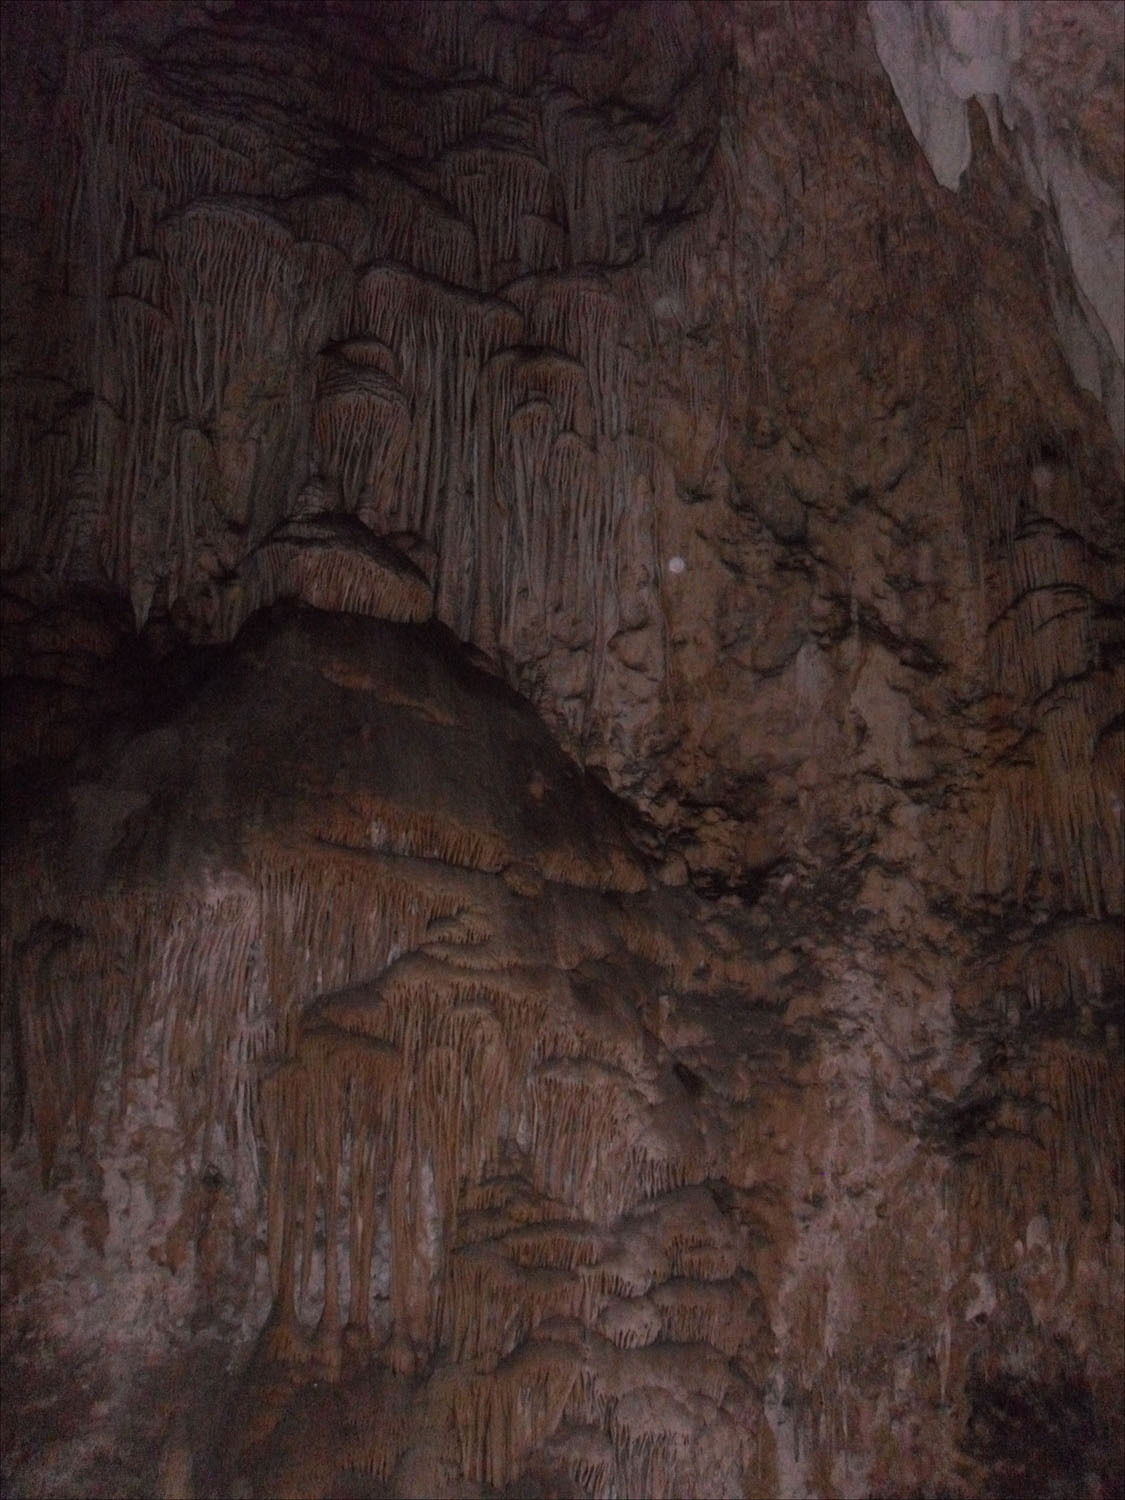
[562, 744]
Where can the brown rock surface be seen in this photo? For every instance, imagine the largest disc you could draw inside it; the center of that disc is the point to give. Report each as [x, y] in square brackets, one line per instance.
[563, 760]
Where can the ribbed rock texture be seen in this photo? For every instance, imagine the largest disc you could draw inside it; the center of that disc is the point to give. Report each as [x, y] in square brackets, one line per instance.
[563, 736]
[1049, 79]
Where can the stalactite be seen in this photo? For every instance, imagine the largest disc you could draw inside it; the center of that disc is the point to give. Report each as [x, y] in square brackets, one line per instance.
[231, 267]
[63, 1047]
[566, 1247]
[332, 917]
[415, 228]
[580, 317]
[515, 378]
[464, 1036]
[35, 462]
[508, 1201]
[1066, 970]
[590, 1402]
[332, 563]
[339, 1088]
[480, 42]
[489, 138]
[442, 340]
[401, 308]
[376, 1448]
[449, 1054]
[68, 470]
[337, 219]
[532, 430]
[134, 551]
[96, 218]
[491, 1306]
[1047, 828]
[586, 1455]
[461, 111]
[366, 822]
[512, 474]
[193, 481]
[362, 425]
[102, 111]
[657, 1416]
[714, 1380]
[567, 130]
[652, 1435]
[540, 244]
[701, 1259]
[1045, 633]
[211, 1025]
[191, 156]
[586, 73]
[631, 1322]
[1049, 824]
[627, 185]
[319, 315]
[629, 467]
[422, 988]
[610, 868]
[141, 279]
[705, 1312]
[229, 1042]
[1058, 1153]
[577, 478]
[494, 188]
[572, 1106]
[1042, 638]
[500, 1418]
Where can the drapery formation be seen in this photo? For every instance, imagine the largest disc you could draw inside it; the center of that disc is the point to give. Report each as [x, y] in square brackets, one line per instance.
[371, 1077]
[415, 287]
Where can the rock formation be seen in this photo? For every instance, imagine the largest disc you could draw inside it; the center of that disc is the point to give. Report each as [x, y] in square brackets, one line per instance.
[562, 743]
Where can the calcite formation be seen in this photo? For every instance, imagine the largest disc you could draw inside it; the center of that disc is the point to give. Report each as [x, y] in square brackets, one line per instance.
[1048, 78]
[563, 746]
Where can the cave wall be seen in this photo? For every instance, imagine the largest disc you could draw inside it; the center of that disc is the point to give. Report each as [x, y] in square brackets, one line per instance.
[640, 350]
[1049, 76]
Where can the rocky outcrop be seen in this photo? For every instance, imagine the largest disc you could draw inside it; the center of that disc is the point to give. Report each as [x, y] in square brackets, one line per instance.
[563, 740]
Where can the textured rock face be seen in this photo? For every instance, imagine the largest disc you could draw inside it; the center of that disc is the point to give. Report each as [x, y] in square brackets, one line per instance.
[1053, 74]
[391, 1108]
